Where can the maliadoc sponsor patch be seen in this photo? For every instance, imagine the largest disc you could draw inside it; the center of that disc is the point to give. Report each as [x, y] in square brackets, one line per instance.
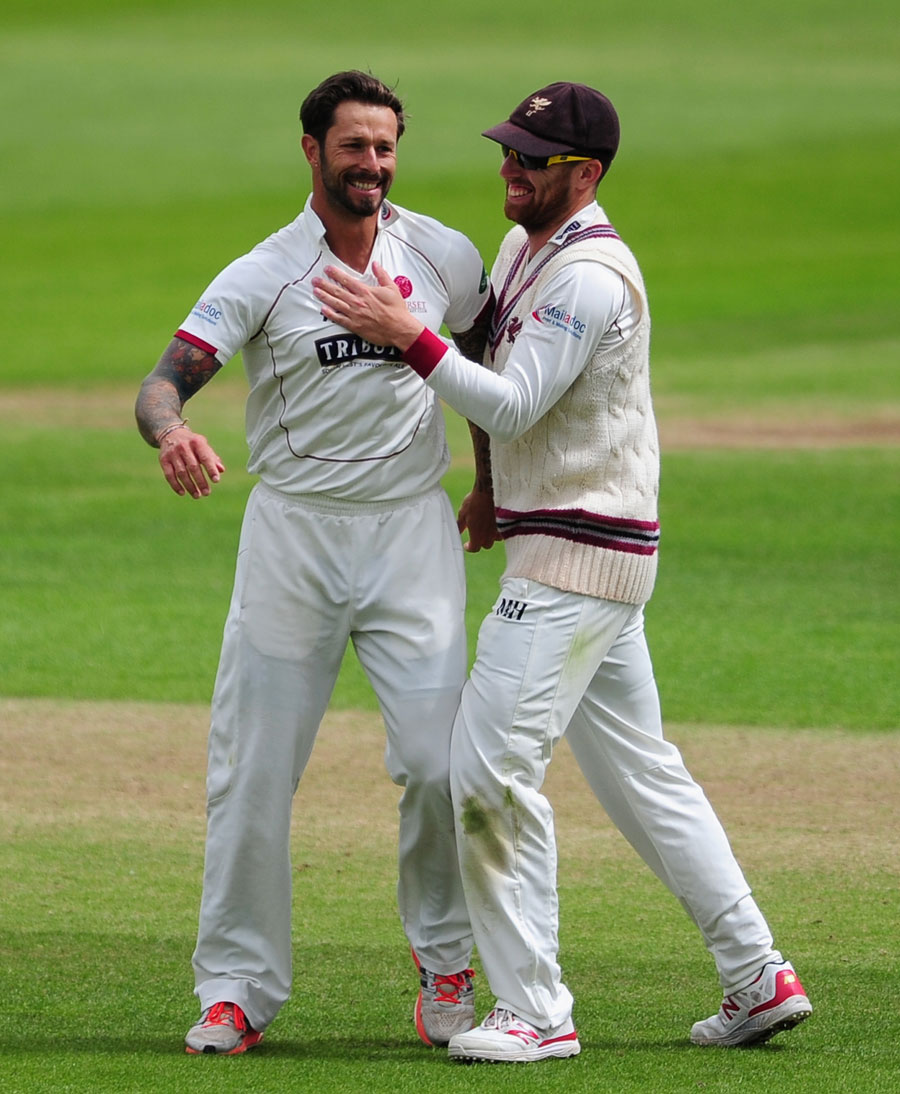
[209, 313]
[554, 316]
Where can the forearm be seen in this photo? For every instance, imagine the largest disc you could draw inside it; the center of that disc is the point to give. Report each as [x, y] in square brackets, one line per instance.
[481, 448]
[504, 406]
[157, 408]
[180, 373]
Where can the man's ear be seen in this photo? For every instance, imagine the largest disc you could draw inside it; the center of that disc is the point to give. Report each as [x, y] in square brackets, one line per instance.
[310, 148]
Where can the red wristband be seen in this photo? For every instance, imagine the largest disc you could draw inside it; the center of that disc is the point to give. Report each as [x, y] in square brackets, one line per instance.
[425, 353]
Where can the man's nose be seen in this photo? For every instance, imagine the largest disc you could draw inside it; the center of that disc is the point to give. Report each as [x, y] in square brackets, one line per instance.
[369, 159]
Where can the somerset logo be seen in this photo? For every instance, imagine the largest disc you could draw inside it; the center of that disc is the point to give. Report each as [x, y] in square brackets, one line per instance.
[537, 104]
[512, 329]
[405, 286]
[554, 316]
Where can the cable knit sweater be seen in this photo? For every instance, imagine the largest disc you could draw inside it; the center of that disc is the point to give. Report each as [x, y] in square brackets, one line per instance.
[576, 494]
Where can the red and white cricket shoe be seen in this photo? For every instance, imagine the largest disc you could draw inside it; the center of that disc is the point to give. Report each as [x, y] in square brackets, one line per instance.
[445, 1004]
[505, 1036]
[223, 1029]
[775, 1001]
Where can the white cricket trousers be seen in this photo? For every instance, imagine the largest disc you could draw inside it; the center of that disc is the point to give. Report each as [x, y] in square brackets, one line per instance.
[310, 576]
[548, 663]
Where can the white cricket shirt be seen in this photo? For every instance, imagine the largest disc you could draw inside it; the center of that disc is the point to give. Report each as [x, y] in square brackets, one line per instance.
[583, 307]
[327, 412]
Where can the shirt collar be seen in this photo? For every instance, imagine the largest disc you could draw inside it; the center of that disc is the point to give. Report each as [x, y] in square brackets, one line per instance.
[387, 215]
[581, 219]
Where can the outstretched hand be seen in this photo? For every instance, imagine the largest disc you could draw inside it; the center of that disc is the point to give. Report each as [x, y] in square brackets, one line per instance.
[377, 313]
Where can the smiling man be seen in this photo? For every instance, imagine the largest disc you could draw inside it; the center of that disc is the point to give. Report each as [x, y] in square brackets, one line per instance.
[349, 448]
[565, 398]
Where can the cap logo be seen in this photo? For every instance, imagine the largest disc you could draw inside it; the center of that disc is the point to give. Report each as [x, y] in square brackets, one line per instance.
[537, 104]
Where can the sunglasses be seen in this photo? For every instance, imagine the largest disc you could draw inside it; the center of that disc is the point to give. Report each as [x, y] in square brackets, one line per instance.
[538, 163]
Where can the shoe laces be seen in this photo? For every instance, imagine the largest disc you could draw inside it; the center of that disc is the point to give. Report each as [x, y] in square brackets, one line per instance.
[226, 1014]
[503, 1019]
[447, 988]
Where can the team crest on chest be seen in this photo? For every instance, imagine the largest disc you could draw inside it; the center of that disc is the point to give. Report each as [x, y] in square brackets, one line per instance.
[512, 329]
[405, 286]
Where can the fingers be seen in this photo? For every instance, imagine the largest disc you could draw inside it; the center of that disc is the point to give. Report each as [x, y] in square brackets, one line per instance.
[381, 275]
[477, 517]
[190, 465]
[339, 284]
[334, 292]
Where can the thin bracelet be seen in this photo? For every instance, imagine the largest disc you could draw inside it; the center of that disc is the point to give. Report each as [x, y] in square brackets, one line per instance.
[170, 429]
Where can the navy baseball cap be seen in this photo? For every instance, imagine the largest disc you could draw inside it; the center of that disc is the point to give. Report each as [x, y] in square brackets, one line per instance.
[561, 118]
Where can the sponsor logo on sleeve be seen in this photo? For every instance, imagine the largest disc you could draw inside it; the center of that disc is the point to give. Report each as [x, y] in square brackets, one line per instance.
[207, 311]
[553, 315]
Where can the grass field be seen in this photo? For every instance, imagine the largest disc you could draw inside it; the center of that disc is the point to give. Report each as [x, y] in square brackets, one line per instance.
[144, 146]
[102, 871]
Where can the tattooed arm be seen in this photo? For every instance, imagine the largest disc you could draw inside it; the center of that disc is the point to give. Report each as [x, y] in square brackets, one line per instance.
[476, 514]
[188, 462]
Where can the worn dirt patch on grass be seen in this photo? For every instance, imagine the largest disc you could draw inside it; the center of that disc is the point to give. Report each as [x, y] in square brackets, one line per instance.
[221, 405]
[798, 797]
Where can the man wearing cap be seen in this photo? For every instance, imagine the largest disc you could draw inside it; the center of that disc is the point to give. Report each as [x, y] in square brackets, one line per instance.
[565, 398]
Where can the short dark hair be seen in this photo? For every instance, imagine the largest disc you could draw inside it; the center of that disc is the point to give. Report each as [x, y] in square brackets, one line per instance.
[317, 111]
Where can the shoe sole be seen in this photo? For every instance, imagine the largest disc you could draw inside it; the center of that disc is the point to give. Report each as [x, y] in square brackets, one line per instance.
[552, 1052]
[211, 1050]
[420, 1026]
[417, 1010]
[781, 1026]
[759, 1036]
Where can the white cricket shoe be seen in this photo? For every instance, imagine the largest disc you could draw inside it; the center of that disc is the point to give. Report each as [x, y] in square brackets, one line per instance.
[775, 1001]
[445, 1004]
[505, 1036]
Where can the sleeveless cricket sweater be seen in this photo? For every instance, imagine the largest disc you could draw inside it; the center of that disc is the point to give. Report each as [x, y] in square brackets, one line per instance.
[576, 494]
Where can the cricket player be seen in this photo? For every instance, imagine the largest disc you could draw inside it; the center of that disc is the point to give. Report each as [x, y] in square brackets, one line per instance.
[349, 448]
[566, 400]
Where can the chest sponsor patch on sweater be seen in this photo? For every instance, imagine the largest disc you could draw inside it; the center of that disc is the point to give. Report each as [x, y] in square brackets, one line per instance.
[555, 315]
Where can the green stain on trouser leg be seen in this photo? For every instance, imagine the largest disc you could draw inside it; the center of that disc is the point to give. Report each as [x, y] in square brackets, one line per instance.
[481, 825]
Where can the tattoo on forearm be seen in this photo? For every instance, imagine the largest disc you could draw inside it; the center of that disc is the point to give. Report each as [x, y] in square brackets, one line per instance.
[182, 370]
[471, 343]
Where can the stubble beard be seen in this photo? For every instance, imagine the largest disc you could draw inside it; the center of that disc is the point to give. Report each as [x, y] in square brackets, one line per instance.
[336, 187]
[551, 210]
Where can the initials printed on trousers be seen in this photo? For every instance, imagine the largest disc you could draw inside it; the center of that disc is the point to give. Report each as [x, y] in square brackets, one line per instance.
[511, 609]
